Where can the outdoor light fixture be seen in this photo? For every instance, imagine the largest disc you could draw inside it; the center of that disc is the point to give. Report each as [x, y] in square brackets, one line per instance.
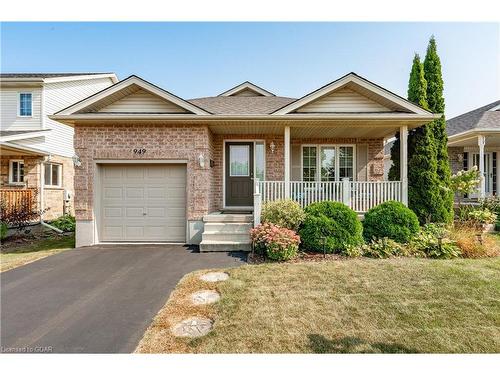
[460, 157]
[272, 146]
[201, 161]
[76, 161]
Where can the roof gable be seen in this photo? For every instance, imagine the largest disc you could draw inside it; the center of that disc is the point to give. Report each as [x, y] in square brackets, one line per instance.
[246, 89]
[133, 95]
[352, 94]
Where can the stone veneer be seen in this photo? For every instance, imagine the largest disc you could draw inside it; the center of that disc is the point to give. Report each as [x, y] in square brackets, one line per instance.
[53, 197]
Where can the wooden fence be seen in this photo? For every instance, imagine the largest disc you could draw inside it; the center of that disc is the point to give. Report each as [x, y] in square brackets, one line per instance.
[16, 197]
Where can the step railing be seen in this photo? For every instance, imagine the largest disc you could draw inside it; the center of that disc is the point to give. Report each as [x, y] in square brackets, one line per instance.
[359, 195]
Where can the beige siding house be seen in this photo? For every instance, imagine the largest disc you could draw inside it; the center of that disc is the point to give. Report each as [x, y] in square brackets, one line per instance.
[36, 151]
[154, 167]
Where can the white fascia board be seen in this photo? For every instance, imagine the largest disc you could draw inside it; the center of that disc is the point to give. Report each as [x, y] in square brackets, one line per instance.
[343, 81]
[247, 86]
[471, 133]
[17, 137]
[27, 149]
[112, 76]
[128, 82]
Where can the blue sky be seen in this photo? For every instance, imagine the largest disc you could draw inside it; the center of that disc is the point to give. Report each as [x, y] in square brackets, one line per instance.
[288, 59]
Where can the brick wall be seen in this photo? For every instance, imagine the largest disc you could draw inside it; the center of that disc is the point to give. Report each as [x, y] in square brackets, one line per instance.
[53, 197]
[161, 142]
[455, 164]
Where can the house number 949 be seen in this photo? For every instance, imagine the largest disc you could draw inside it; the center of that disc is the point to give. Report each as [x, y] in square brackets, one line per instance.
[139, 151]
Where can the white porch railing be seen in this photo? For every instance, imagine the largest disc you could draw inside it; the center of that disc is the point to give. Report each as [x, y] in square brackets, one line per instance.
[359, 195]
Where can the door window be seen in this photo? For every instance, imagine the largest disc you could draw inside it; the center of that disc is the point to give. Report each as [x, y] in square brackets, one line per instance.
[239, 156]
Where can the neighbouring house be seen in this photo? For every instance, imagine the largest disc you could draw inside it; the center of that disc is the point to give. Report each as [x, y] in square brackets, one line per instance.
[37, 152]
[154, 167]
[474, 139]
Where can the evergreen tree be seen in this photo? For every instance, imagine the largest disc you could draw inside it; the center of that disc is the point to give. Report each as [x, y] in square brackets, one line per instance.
[435, 100]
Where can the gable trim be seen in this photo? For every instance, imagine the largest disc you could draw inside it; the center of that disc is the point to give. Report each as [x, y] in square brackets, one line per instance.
[350, 77]
[246, 86]
[133, 79]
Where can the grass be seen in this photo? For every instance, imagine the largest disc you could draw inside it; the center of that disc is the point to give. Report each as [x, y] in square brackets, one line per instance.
[20, 255]
[398, 305]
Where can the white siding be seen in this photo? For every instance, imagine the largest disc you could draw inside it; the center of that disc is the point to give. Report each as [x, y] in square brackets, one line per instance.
[343, 100]
[9, 119]
[59, 95]
[247, 92]
[142, 101]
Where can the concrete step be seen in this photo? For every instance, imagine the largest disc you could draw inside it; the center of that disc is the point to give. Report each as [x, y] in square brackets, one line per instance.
[227, 218]
[206, 246]
[230, 227]
[218, 236]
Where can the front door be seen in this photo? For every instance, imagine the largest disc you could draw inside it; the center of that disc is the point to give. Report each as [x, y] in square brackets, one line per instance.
[488, 172]
[239, 174]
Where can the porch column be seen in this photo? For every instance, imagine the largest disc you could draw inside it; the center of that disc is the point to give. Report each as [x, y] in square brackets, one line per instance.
[287, 162]
[403, 149]
[481, 141]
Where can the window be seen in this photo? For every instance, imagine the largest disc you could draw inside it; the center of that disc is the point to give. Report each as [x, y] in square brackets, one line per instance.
[53, 173]
[260, 160]
[25, 104]
[16, 172]
[240, 160]
[334, 163]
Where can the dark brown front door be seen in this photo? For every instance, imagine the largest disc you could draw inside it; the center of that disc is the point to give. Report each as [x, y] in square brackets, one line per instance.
[239, 174]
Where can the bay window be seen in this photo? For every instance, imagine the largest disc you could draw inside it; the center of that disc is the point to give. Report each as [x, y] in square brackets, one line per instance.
[327, 162]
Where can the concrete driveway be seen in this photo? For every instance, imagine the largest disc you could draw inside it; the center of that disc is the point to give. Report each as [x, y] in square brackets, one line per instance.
[94, 300]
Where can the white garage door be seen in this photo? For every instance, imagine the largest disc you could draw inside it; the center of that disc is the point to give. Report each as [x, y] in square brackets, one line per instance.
[143, 203]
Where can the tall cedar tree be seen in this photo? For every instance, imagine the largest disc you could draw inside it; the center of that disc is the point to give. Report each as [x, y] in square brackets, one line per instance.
[435, 100]
[417, 91]
[423, 185]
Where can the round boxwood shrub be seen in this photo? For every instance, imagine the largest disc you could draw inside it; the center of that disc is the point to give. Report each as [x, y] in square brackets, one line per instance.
[391, 220]
[286, 213]
[331, 225]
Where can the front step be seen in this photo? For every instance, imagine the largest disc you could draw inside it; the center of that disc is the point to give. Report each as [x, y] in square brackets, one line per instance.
[226, 232]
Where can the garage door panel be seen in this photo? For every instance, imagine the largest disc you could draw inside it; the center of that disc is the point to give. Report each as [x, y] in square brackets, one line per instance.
[129, 192]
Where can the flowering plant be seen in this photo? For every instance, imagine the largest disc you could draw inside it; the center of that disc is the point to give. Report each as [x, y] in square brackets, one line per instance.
[277, 242]
[465, 182]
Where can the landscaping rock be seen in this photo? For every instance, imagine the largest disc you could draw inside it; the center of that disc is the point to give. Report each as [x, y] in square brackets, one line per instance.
[204, 297]
[214, 276]
[192, 327]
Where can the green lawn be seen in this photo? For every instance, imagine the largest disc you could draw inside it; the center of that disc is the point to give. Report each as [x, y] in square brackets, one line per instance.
[399, 305]
[19, 255]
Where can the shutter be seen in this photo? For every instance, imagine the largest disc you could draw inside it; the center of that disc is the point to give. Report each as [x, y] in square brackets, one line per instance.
[296, 172]
[362, 162]
[494, 172]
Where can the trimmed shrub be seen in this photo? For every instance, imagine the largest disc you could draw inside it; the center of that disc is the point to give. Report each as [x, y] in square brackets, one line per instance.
[278, 243]
[285, 213]
[66, 223]
[391, 220]
[3, 230]
[331, 225]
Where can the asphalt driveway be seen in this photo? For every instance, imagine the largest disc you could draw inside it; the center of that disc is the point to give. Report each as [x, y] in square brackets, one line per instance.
[94, 300]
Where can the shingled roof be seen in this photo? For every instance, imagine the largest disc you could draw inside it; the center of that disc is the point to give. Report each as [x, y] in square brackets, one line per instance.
[45, 75]
[480, 118]
[241, 105]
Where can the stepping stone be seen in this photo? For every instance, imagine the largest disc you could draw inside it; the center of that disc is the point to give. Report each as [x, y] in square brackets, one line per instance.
[214, 276]
[192, 327]
[204, 297]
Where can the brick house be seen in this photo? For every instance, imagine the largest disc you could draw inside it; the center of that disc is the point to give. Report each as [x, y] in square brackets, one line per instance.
[154, 167]
[36, 152]
[474, 139]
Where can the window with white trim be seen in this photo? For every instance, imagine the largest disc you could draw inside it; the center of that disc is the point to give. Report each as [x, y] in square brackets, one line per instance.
[25, 104]
[53, 174]
[16, 172]
[327, 162]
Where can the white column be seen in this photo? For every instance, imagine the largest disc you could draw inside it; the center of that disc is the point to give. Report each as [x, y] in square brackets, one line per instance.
[403, 160]
[257, 203]
[287, 162]
[481, 141]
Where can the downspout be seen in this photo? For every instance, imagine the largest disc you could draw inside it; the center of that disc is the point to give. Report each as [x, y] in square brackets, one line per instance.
[43, 223]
